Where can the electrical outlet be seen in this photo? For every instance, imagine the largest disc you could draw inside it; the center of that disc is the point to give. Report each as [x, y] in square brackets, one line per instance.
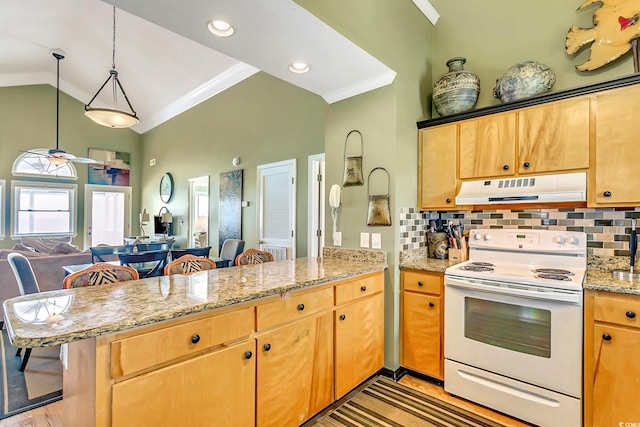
[376, 241]
[152, 162]
[337, 238]
[364, 240]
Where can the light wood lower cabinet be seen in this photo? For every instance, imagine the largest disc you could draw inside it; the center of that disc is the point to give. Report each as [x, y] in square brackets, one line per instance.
[422, 327]
[612, 371]
[191, 393]
[295, 372]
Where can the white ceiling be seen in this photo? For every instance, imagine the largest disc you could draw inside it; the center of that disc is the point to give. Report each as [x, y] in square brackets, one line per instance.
[167, 59]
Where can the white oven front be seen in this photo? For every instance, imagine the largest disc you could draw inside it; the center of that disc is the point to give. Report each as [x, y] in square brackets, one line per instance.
[515, 348]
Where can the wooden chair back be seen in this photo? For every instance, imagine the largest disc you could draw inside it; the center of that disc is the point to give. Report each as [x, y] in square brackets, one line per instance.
[253, 256]
[101, 273]
[147, 264]
[188, 264]
[202, 252]
[106, 253]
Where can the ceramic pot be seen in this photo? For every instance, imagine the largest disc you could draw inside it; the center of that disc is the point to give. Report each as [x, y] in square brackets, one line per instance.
[523, 80]
[456, 91]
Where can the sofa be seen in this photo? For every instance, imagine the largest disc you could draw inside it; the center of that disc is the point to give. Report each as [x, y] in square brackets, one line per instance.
[46, 260]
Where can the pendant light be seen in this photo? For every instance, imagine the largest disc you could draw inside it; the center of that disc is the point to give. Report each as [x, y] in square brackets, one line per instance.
[106, 116]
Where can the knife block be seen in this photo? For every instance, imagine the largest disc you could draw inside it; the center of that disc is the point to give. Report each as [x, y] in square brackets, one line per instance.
[459, 255]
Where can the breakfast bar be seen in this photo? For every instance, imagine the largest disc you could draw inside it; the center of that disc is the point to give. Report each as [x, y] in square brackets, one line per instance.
[267, 344]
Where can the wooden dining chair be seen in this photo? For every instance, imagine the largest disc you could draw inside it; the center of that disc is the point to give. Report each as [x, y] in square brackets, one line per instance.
[148, 264]
[201, 252]
[188, 264]
[253, 256]
[101, 273]
[106, 253]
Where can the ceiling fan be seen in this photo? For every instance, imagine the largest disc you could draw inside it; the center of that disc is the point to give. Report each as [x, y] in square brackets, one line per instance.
[56, 156]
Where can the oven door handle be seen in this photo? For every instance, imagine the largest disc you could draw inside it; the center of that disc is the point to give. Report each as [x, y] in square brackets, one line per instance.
[515, 290]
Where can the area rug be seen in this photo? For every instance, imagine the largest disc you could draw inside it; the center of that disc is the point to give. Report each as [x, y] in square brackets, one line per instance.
[39, 385]
[387, 403]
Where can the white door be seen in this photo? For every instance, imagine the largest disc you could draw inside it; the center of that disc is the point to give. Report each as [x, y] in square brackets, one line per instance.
[107, 215]
[277, 208]
[199, 211]
[315, 238]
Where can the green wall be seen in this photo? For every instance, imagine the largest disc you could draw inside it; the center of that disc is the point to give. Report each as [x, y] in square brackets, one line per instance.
[28, 120]
[261, 120]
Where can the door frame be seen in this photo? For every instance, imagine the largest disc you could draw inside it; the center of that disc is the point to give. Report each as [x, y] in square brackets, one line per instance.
[88, 190]
[316, 205]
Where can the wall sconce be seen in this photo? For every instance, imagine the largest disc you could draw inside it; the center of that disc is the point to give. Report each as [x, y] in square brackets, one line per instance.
[166, 218]
[201, 226]
[144, 218]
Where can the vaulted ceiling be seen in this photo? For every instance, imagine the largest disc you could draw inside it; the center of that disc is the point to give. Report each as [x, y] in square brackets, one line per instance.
[167, 59]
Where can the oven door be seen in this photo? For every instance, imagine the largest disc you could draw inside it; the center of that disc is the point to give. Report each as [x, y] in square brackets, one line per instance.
[516, 331]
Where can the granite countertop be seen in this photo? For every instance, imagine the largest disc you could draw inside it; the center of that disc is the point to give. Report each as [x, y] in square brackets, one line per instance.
[603, 280]
[427, 264]
[62, 316]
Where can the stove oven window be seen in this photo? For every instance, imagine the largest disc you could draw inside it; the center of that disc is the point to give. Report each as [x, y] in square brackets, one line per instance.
[512, 327]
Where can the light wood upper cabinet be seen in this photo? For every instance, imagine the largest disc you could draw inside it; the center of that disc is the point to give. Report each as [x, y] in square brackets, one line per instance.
[488, 146]
[437, 167]
[554, 137]
[616, 149]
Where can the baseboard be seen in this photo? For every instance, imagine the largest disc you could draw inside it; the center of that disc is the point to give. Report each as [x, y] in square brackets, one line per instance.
[402, 371]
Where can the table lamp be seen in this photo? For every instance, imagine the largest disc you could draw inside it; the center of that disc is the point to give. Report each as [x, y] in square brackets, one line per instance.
[201, 225]
[166, 219]
[144, 218]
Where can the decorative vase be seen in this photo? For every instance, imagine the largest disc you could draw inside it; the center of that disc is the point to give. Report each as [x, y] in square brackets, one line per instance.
[456, 91]
[523, 80]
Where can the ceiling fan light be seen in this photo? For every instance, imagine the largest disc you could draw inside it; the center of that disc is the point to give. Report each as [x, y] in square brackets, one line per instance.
[57, 161]
[220, 28]
[111, 118]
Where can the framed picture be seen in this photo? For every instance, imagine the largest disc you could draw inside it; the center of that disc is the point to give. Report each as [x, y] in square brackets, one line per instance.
[112, 167]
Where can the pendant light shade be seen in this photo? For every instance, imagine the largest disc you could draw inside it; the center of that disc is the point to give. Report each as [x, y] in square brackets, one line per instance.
[111, 117]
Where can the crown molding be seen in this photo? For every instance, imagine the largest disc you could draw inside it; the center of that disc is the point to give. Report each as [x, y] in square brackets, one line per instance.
[428, 10]
[379, 81]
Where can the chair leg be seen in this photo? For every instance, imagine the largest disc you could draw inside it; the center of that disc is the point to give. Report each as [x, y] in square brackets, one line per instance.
[25, 359]
[18, 352]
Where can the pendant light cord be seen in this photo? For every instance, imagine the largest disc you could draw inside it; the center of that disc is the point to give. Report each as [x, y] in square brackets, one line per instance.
[113, 58]
[58, 57]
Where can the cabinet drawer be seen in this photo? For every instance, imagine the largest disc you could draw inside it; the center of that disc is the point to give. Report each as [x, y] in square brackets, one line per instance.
[427, 282]
[143, 351]
[620, 310]
[293, 306]
[359, 288]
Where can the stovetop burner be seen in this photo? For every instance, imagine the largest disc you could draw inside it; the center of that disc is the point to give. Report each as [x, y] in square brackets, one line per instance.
[478, 266]
[561, 277]
[553, 271]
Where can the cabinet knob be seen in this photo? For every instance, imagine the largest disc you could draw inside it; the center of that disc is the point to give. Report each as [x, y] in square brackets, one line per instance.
[607, 194]
[343, 316]
[606, 337]
[448, 200]
[526, 164]
[431, 304]
[267, 347]
[300, 306]
[419, 283]
[630, 314]
[195, 339]
[248, 354]
[363, 288]
[505, 167]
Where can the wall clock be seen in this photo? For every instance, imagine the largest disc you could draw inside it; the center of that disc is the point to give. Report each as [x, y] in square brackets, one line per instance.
[166, 187]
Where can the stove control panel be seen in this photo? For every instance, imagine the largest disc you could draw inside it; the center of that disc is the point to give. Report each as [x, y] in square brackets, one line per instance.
[529, 240]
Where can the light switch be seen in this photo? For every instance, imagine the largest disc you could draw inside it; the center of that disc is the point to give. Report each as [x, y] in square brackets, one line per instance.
[364, 240]
[376, 240]
[337, 238]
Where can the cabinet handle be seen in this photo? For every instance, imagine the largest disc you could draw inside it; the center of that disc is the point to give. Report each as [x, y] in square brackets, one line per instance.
[267, 347]
[363, 288]
[248, 354]
[300, 306]
[607, 194]
[526, 164]
[419, 283]
[606, 337]
[431, 304]
[505, 167]
[195, 339]
[448, 200]
[343, 316]
[630, 314]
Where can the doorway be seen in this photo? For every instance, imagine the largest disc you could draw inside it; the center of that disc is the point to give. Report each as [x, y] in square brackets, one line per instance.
[316, 193]
[276, 207]
[107, 214]
[199, 212]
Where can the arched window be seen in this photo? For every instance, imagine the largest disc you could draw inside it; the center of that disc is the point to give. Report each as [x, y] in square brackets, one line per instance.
[35, 163]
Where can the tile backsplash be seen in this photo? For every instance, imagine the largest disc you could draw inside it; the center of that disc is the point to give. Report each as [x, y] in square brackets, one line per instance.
[607, 228]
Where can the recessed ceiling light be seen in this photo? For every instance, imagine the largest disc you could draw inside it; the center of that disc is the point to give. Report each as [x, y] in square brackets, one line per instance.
[220, 28]
[299, 67]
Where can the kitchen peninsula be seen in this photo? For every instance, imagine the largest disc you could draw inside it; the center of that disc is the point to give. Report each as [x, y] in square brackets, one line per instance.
[270, 344]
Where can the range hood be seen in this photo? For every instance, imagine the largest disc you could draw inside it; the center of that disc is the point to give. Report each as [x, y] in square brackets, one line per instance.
[568, 187]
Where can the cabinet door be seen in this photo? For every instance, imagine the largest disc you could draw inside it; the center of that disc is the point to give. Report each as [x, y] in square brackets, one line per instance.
[554, 137]
[295, 372]
[215, 386]
[359, 342]
[437, 183]
[616, 376]
[421, 333]
[488, 146]
[616, 147]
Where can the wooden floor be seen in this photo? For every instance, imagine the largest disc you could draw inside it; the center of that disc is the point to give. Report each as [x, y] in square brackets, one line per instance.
[51, 415]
